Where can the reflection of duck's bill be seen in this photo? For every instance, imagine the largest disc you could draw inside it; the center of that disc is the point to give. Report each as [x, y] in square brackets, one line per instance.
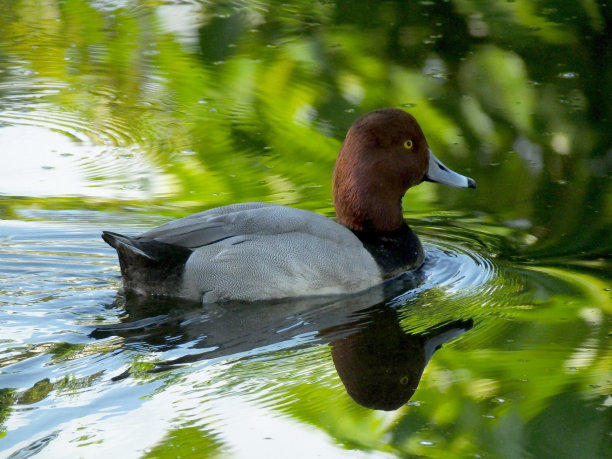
[437, 336]
[439, 173]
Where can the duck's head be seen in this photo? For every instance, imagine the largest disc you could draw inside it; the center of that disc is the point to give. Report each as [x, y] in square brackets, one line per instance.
[385, 153]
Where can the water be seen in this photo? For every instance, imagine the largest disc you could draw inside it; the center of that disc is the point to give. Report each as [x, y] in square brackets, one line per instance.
[122, 115]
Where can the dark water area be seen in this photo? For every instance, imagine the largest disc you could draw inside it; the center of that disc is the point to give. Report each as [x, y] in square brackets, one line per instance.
[121, 115]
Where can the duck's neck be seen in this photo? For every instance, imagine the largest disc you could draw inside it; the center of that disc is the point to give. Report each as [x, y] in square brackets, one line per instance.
[368, 211]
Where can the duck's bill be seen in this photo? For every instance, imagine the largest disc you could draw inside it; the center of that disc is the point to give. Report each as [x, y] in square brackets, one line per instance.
[439, 173]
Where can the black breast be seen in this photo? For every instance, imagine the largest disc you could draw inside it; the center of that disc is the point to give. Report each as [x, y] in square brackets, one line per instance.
[395, 251]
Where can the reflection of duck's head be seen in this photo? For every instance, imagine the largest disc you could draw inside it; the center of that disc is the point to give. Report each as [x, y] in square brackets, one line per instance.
[381, 365]
[257, 251]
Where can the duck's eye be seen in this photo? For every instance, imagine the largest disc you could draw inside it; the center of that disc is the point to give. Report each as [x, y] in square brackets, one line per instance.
[408, 144]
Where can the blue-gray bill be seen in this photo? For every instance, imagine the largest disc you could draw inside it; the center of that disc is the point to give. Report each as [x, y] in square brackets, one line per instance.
[439, 173]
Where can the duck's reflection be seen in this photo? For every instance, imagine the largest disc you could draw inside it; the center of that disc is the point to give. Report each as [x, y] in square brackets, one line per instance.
[379, 363]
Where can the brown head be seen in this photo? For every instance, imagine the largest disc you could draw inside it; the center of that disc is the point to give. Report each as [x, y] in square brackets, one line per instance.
[385, 153]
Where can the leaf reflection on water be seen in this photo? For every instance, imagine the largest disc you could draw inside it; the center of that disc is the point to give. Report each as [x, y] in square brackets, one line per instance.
[142, 112]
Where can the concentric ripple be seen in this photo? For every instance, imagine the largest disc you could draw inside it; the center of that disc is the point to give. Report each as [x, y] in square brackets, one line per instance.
[71, 151]
[456, 270]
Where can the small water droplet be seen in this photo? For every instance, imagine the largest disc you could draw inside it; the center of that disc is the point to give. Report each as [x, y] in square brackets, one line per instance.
[426, 443]
[568, 75]
[438, 76]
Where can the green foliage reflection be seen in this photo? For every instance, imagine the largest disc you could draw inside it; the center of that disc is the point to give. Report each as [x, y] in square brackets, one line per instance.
[252, 102]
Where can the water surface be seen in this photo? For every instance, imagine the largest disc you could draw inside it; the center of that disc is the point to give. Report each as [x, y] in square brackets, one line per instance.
[123, 115]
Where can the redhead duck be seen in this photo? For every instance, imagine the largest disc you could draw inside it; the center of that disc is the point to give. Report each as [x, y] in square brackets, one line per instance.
[259, 251]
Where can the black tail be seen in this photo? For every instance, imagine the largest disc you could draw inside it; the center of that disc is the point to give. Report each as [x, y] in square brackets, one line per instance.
[150, 267]
[112, 238]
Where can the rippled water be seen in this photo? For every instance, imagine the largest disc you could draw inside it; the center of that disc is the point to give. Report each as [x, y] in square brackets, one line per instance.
[76, 344]
[122, 115]
[85, 361]
[64, 154]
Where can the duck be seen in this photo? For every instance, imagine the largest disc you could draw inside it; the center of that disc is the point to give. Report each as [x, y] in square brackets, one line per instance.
[248, 252]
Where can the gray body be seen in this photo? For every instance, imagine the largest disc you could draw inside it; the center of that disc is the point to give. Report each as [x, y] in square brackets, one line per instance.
[250, 252]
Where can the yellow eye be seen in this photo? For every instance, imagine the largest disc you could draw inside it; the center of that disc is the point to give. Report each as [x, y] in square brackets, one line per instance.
[408, 144]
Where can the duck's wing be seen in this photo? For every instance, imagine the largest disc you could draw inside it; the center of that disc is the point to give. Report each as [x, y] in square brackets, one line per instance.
[176, 240]
[210, 226]
[244, 220]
